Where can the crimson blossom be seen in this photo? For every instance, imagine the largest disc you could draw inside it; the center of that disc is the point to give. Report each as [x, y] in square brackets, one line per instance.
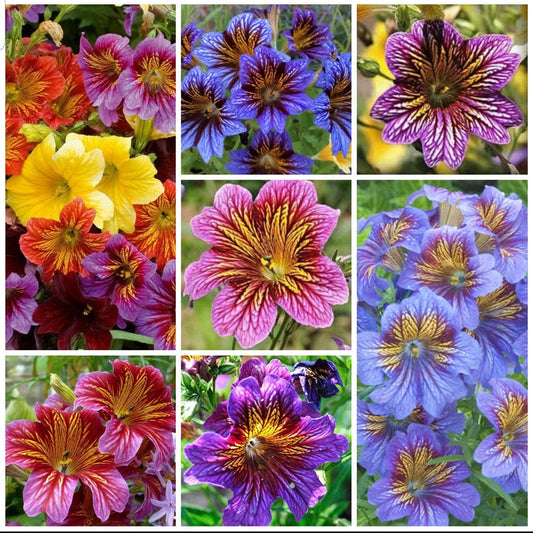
[266, 253]
[446, 88]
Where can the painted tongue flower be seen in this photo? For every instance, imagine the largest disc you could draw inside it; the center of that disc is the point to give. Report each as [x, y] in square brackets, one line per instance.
[62, 449]
[149, 84]
[269, 153]
[271, 88]
[138, 405]
[271, 451]
[206, 116]
[222, 52]
[20, 303]
[446, 88]
[307, 37]
[265, 253]
[189, 36]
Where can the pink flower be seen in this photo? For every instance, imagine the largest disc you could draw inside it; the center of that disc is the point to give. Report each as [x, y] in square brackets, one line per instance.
[266, 253]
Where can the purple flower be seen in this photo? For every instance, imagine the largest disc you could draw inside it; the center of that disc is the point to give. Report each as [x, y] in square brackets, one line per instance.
[333, 108]
[167, 506]
[222, 52]
[29, 12]
[121, 273]
[422, 352]
[157, 317]
[307, 37]
[447, 87]
[450, 265]
[206, 117]
[130, 14]
[149, 83]
[269, 153]
[376, 426]
[502, 225]
[189, 36]
[271, 451]
[392, 234]
[271, 88]
[503, 455]
[104, 67]
[316, 380]
[520, 350]
[20, 303]
[424, 492]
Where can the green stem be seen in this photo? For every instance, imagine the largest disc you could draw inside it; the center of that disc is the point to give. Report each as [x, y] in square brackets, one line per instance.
[281, 329]
[288, 331]
[365, 125]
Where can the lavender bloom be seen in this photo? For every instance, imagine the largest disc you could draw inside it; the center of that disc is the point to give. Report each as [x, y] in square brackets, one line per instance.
[167, 506]
[446, 88]
[20, 303]
[423, 492]
[271, 451]
[130, 14]
[503, 455]
[307, 37]
[422, 352]
[271, 88]
[269, 153]
[206, 117]
[316, 380]
[222, 52]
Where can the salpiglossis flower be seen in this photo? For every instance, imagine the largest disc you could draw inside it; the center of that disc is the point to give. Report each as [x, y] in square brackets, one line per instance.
[447, 88]
[189, 36]
[17, 147]
[62, 449]
[138, 405]
[20, 303]
[60, 246]
[266, 253]
[271, 451]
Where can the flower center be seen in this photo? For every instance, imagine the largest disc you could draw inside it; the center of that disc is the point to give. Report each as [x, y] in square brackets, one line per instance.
[413, 349]
[271, 95]
[65, 463]
[88, 310]
[458, 279]
[12, 92]
[267, 162]
[441, 94]
[273, 270]
[257, 451]
[62, 189]
[166, 218]
[70, 237]
[210, 110]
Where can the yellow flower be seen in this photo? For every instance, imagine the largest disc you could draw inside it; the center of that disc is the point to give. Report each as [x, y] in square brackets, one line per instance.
[49, 180]
[126, 180]
[344, 163]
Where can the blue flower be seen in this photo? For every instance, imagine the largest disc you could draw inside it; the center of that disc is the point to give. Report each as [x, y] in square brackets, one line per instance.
[189, 35]
[271, 88]
[503, 454]
[333, 108]
[420, 356]
[269, 153]
[206, 117]
[424, 492]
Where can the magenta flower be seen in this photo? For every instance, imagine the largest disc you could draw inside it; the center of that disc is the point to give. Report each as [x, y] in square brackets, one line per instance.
[446, 88]
[271, 451]
[121, 273]
[138, 405]
[62, 449]
[103, 68]
[149, 84]
[157, 317]
[266, 253]
[20, 303]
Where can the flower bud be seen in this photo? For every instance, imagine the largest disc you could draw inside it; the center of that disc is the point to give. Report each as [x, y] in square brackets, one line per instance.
[62, 389]
[368, 67]
[53, 29]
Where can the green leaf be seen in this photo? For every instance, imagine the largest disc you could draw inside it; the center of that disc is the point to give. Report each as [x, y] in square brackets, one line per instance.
[128, 336]
[496, 488]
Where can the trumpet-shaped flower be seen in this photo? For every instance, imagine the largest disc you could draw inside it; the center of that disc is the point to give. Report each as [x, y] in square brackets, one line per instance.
[266, 253]
[138, 405]
[155, 227]
[450, 265]
[271, 88]
[60, 246]
[126, 180]
[149, 84]
[446, 88]
[423, 353]
[503, 455]
[51, 179]
[271, 451]
[269, 153]
[424, 492]
[20, 303]
[222, 52]
[103, 68]
[119, 272]
[61, 448]
[206, 116]
[307, 37]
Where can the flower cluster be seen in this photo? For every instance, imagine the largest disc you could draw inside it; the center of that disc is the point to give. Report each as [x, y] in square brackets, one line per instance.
[442, 315]
[91, 199]
[265, 442]
[237, 82]
[101, 455]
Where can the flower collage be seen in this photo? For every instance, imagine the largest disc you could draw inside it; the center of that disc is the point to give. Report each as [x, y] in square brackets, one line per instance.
[276, 391]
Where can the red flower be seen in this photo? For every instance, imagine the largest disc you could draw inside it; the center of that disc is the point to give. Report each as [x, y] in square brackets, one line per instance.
[60, 246]
[69, 313]
[17, 147]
